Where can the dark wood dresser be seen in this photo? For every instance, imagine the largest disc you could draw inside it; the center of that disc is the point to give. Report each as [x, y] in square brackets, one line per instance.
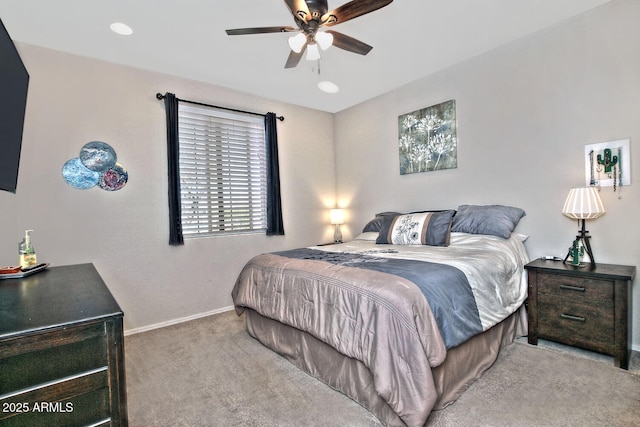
[582, 306]
[61, 350]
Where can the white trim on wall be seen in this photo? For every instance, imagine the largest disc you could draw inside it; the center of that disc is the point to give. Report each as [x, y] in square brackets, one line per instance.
[176, 321]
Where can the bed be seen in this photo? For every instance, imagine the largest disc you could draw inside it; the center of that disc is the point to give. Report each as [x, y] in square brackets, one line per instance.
[403, 318]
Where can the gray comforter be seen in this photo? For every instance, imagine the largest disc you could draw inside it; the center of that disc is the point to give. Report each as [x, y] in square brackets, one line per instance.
[379, 318]
[453, 306]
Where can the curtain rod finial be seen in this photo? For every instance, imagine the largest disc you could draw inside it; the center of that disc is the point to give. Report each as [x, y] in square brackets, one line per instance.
[159, 95]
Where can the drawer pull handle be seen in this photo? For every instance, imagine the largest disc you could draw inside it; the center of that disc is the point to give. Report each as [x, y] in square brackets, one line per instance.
[570, 317]
[572, 288]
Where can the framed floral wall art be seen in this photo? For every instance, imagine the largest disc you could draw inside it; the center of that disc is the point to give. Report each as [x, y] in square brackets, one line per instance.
[427, 139]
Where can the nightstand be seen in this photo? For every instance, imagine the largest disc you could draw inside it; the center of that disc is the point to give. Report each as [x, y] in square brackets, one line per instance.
[582, 306]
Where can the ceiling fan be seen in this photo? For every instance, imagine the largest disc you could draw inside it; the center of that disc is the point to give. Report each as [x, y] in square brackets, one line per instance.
[310, 16]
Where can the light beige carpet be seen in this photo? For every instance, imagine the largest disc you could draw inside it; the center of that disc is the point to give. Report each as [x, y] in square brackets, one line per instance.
[210, 372]
[540, 386]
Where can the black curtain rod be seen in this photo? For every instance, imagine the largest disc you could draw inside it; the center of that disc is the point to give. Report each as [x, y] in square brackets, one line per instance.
[161, 96]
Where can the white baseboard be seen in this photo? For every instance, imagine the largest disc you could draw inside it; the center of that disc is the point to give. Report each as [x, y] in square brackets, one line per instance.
[176, 321]
[211, 313]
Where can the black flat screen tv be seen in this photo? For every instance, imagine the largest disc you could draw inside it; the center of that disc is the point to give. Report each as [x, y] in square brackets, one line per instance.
[14, 82]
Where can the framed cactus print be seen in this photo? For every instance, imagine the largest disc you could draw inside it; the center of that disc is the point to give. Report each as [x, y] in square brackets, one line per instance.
[608, 164]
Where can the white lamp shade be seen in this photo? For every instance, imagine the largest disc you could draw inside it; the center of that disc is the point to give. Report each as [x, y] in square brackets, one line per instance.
[324, 40]
[583, 203]
[312, 52]
[337, 216]
[296, 43]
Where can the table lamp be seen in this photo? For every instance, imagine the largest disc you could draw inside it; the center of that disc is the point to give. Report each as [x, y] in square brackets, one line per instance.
[582, 203]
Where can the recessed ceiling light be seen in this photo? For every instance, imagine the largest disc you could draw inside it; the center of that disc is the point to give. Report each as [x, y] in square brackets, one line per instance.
[122, 29]
[328, 87]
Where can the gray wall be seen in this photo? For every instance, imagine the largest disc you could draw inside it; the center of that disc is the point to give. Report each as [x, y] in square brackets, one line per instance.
[74, 100]
[525, 112]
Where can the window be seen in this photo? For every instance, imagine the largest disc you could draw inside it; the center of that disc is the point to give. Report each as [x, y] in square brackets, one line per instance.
[222, 171]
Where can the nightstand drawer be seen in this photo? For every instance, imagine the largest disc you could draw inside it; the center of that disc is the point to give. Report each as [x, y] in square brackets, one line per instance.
[575, 322]
[575, 287]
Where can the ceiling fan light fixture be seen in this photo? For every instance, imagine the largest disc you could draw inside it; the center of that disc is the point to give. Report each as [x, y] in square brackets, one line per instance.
[313, 54]
[324, 40]
[296, 43]
[310, 17]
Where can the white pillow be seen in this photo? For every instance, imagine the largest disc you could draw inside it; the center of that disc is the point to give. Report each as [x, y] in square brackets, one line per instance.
[368, 236]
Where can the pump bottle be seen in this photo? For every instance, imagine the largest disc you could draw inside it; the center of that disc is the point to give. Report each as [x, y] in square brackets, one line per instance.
[27, 255]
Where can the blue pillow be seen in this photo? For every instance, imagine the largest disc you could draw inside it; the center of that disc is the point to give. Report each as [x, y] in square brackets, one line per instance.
[495, 220]
[377, 223]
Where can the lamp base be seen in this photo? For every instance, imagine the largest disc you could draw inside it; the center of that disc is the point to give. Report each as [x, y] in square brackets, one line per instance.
[337, 235]
[575, 250]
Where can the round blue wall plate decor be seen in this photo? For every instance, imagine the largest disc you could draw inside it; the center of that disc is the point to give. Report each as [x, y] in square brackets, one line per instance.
[98, 156]
[78, 176]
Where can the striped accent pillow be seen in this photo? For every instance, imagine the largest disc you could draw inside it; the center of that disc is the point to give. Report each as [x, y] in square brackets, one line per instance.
[420, 228]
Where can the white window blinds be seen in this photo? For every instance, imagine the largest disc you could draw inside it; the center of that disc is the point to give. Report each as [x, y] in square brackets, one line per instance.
[222, 171]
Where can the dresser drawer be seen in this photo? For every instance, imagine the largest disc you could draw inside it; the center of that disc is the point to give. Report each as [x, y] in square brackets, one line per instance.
[42, 358]
[575, 287]
[575, 322]
[38, 409]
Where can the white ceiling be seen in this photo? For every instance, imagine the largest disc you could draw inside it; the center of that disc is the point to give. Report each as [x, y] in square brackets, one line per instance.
[410, 39]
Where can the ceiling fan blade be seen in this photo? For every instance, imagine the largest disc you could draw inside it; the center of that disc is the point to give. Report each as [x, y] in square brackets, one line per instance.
[351, 10]
[259, 30]
[294, 58]
[299, 9]
[350, 44]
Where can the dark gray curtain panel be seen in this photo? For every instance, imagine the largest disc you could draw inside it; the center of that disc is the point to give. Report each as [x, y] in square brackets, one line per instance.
[173, 157]
[275, 226]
